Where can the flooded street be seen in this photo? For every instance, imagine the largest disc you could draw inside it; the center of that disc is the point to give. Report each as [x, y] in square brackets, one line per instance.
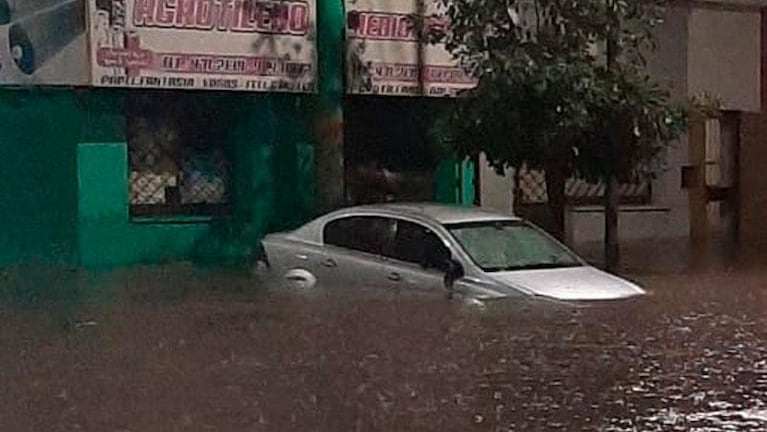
[692, 356]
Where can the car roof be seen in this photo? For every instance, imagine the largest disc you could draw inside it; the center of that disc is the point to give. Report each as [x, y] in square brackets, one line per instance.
[442, 213]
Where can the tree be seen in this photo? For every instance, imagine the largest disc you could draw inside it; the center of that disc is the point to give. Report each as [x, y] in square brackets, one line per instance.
[562, 87]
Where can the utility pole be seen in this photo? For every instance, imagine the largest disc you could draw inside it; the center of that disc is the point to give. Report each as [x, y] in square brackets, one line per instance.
[611, 245]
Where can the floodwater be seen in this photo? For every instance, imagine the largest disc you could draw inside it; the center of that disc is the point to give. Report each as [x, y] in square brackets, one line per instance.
[692, 356]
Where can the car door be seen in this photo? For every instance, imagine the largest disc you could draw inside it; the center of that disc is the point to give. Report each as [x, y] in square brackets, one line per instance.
[353, 251]
[408, 265]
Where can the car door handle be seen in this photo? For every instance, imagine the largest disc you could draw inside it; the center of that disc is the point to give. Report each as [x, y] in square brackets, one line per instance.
[394, 277]
[330, 263]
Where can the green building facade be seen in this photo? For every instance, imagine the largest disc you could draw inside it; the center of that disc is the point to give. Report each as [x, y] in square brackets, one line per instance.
[65, 172]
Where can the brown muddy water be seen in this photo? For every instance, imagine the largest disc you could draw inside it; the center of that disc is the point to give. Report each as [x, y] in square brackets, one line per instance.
[692, 356]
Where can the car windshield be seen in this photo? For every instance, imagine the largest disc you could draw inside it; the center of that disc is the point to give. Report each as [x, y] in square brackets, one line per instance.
[511, 245]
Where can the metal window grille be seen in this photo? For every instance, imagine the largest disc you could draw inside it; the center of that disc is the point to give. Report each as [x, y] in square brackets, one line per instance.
[531, 190]
[531, 187]
[177, 166]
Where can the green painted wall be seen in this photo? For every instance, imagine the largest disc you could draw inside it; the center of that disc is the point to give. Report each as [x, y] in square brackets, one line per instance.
[39, 132]
[63, 180]
[454, 182]
[270, 143]
[106, 234]
[38, 189]
[273, 174]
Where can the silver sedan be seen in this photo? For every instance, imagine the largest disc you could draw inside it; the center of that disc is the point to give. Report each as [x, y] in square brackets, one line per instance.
[436, 249]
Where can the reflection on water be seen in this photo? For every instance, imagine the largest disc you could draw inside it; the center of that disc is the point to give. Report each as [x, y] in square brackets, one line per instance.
[692, 356]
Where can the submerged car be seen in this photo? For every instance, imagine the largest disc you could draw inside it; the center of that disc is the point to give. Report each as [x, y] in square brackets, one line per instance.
[437, 249]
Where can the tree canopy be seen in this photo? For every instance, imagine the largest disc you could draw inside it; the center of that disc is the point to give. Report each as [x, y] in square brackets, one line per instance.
[562, 80]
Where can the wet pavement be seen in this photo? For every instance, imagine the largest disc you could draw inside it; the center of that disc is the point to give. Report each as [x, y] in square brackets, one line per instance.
[192, 351]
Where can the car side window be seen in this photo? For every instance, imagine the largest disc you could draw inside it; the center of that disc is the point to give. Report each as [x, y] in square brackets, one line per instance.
[417, 244]
[369, 234]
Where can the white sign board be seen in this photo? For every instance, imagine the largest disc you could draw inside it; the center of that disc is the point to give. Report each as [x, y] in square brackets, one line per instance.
[383, 51]
[245, 45]
[43, 42]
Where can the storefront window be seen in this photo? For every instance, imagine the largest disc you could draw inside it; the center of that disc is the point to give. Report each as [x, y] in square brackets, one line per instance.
[178, 163]
[389, 155]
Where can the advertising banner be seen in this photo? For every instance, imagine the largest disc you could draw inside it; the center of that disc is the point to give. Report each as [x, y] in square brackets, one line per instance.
[43, 42]
[383, 51]
[245, 45]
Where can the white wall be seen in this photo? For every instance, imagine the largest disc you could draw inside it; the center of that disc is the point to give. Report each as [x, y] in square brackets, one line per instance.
[497, 192]
[725, 56]
[711, 50]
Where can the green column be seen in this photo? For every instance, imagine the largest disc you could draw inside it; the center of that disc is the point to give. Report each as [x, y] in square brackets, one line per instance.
[455, 181]
[328, 121]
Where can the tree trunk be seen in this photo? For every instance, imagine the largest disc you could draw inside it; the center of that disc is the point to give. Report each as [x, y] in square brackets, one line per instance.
[612, 248]
[556, 178]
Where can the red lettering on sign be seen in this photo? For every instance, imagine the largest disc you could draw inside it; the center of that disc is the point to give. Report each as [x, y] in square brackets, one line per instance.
[384, 25]
[143, 12]
[250, 16]
[165, 13]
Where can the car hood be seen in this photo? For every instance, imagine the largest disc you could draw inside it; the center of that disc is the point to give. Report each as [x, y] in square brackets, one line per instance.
[569, 284]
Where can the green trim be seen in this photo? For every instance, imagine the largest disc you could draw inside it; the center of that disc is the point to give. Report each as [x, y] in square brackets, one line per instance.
[5, 13]
[455, 181]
